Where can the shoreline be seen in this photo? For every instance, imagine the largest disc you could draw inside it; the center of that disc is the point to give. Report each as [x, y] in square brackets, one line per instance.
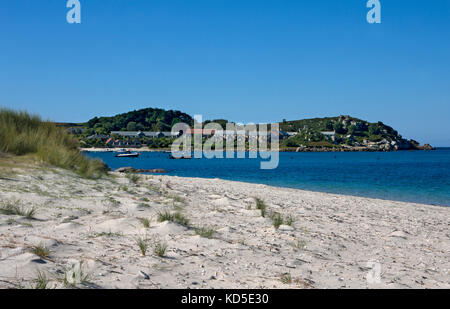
[160, 173]
[280, 150]
[306, 190]
[324, 240]
[160, 169]
[239, 182]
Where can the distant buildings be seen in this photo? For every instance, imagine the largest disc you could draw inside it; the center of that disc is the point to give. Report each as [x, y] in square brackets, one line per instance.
[330, 135]
[135, 138]
[139, 134]
[122, 143]
[98, 136]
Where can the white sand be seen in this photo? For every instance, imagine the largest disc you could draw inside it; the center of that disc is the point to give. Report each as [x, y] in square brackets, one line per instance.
[329, 245]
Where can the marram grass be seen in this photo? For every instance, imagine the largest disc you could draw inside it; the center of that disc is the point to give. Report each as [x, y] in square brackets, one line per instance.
[22, 133]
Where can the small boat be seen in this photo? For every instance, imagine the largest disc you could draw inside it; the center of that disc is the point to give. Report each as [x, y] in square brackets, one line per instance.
[128, 154]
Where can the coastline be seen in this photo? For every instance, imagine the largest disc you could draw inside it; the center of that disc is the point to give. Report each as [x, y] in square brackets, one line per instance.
[356, 149]
[294, 172]
[330, 243]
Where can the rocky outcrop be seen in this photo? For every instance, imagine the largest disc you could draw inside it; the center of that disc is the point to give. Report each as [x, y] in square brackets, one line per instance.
[130, 169]
[426, 147]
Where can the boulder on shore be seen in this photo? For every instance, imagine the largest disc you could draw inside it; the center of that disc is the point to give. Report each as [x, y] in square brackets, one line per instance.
[124, 169]
[130, 169]
[428, 147]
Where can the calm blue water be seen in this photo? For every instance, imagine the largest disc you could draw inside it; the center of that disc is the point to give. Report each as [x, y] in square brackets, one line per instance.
[414, 176]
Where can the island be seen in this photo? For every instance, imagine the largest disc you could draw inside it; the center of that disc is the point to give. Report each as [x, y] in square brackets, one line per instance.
[151, 128]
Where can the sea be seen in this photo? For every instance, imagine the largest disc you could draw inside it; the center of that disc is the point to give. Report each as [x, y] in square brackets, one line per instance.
[411, 176]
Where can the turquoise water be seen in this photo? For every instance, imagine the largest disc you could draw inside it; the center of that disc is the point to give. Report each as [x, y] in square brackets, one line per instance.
[413, 176]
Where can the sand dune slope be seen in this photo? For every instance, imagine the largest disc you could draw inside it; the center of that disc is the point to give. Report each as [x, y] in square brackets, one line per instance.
[90, 230]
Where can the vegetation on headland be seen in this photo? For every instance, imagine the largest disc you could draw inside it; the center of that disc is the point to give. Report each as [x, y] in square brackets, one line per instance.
[342, 133]
[147, 119]
[345, 132]
[25, 134]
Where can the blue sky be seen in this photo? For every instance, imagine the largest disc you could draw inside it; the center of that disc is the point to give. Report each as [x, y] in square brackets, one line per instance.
[243, 60]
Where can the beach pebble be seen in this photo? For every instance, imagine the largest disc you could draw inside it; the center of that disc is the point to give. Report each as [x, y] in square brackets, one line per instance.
[398, 234]
[286, 228]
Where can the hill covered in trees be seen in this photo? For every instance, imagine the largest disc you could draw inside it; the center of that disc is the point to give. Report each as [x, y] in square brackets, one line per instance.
[344, 131]
[147, 119]
[328, 133]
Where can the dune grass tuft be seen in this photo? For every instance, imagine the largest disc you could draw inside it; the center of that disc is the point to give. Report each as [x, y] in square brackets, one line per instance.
[286, 278]
[133, 178]
[41, 251]
[143, 245]
[289, 221]
[165, 216]
[145, 222]
[11, 208]
[205, 232]
[22, 133]
[160, 248]
[261, 205]
[277, 220]
[41, 281]
[75, 275]
[29, 214]
[173, 217]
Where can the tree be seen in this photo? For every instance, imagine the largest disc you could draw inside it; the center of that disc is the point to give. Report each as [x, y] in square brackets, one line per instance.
[131, 126]
[291, 143]
[92, 122]
[101, 130]
[339, 128]
[140, 127]
[352, 129]
[374, 129]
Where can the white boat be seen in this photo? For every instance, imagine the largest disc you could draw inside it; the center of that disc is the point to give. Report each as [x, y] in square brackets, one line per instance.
[128, 155]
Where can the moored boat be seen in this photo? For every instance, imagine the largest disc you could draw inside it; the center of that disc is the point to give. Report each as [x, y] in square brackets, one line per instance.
[128, 155]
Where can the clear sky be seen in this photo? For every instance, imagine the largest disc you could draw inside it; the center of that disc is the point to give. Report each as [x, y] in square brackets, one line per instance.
[243, 60]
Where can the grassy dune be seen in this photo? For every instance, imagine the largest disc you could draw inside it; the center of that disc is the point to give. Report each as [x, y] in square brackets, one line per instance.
[23, 134]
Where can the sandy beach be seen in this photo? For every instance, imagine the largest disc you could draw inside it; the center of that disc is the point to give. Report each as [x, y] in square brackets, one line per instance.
[89, 232]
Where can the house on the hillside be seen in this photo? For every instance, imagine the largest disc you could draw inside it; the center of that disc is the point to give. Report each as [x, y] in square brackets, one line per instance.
[98, 136]
[330, 135]
[203, 132]
[140, 134]
[130, 134]
[76, 130]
